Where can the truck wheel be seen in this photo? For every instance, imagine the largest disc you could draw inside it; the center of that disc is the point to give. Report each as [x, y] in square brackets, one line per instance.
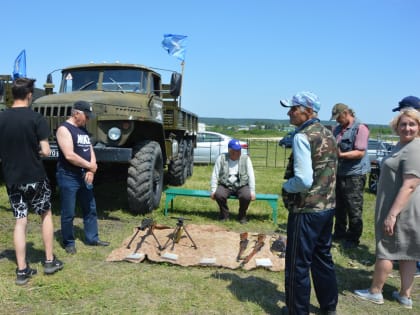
[178, 168]
[145, 178]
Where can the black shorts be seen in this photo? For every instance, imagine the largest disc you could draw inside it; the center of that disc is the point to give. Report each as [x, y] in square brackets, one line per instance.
[34, 195]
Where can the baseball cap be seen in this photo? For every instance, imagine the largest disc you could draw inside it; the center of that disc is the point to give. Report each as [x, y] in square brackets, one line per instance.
[306, 99]
[84, 107]
[234, 145]
[408, 101]
[337, 110]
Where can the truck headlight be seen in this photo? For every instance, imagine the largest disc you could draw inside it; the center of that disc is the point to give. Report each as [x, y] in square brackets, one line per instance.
[114, 133]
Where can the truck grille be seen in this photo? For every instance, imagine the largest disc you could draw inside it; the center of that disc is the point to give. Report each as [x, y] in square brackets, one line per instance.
[55, 115]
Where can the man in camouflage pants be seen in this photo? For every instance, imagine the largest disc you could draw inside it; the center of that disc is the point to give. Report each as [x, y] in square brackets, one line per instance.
[353, 164]
[309, 196]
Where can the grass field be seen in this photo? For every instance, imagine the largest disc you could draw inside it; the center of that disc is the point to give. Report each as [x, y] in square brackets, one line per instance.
[90, 285]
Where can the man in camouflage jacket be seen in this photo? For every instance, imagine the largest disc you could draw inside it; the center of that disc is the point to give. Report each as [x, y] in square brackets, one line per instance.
[309, 196]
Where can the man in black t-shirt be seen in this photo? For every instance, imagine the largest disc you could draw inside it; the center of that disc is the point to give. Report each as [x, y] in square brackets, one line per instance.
[23, 141]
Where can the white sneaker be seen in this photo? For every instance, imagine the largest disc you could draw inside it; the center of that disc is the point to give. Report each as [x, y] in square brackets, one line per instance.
[376, 298]
[404, 301]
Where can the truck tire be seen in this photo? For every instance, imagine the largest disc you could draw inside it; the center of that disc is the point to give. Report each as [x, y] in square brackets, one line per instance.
[178, 167]
[145, 178]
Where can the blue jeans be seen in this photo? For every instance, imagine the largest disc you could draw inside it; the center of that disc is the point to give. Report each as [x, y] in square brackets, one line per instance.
[308, 249]
[72, 187]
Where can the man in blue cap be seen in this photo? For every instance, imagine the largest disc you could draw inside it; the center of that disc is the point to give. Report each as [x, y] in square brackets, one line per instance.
[309, 196]
[233, 174]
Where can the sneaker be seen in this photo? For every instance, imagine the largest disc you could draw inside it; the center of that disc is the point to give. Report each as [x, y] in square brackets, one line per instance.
[70, 250]
[243, 220]
[376, 298]
[22, 276]
[52, 266]
[404, 301]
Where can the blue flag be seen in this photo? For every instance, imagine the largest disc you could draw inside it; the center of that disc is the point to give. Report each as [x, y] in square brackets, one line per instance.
[19, 69]
[175, 45]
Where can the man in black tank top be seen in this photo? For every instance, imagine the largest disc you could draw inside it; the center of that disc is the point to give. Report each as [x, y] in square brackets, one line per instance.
[75, 173]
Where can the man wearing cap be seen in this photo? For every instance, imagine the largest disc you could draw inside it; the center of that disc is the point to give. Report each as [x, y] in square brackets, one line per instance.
[233, 174]
[309, 196]
[353, 164]
[75, 172]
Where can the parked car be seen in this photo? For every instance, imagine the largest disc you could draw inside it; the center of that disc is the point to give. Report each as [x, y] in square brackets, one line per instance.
[378, 149]
[211, 144]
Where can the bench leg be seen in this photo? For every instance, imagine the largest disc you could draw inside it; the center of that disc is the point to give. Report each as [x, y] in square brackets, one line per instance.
[169, 198]
[273, 205]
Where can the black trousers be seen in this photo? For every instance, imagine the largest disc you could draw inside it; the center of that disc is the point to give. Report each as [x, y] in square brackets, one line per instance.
[308, 250]
[223, 193]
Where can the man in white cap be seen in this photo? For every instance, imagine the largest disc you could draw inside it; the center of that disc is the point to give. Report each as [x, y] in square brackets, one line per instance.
[233, 174]
[309, 196]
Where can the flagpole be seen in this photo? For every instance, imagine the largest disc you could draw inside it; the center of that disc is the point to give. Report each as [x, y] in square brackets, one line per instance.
[182, 82]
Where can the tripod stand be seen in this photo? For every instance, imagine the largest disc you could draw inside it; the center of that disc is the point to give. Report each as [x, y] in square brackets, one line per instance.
[145, 224]
[176, 234]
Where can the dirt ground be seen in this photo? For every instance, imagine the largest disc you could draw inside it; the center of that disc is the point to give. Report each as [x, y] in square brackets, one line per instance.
[214, 246]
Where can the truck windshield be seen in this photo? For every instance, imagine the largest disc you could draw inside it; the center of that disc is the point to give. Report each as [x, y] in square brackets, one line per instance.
[80, 80]
[123, 80]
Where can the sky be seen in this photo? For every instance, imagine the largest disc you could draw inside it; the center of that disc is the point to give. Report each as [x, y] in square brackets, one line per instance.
[242, 56]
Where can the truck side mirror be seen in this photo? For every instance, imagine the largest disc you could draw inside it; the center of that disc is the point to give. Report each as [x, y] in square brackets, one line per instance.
[49, 85]
[176, 81]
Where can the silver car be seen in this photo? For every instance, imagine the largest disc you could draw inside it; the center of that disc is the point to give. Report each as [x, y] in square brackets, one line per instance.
[211, 144]
[378, 149]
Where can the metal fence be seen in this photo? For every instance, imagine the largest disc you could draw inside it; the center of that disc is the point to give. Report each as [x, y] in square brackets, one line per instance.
[267, 153]
[264, 152]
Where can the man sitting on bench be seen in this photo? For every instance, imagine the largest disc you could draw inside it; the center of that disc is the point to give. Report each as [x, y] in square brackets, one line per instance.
[233, 174]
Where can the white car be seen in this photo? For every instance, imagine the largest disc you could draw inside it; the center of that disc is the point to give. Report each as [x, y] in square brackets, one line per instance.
[211, 144]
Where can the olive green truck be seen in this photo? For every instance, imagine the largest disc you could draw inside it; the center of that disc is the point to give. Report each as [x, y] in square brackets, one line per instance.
[139, 123]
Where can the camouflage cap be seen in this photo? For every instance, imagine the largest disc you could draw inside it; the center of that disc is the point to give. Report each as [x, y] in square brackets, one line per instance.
[338, 109]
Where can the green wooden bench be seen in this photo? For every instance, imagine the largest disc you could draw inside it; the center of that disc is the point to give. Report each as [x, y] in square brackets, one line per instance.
[171, 193]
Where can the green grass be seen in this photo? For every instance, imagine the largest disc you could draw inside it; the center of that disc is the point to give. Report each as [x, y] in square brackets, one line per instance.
[89, 285]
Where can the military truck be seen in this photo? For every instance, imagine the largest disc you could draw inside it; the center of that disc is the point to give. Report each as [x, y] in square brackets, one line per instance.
[139, 123]
[6, 97]
[5, 91]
